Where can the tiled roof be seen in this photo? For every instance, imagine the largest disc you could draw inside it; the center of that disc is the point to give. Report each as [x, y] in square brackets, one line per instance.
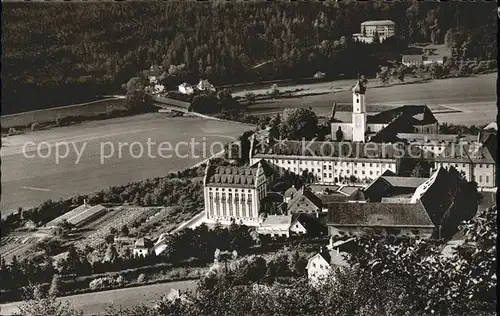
[144, 242]
[290, 192]
[305, 192]
[378, 214]
[322, 149]
[378, 22]
[349, 190]
[333, 198]
[405, 182]
[455, 153]
[409, 111]
[231, 176]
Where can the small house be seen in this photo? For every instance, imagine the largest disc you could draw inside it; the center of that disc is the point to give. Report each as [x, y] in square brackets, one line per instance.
[321, 266]
[143, 247]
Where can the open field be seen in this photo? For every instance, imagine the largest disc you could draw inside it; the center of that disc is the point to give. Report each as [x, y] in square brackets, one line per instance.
[29, 181]
[474, 96]
[97, 302]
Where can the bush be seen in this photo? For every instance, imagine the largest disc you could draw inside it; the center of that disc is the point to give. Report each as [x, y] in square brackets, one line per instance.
[12, 131]
[120, 280]
[491, 64]
[141, 278]
[101, 283]
[35, 126]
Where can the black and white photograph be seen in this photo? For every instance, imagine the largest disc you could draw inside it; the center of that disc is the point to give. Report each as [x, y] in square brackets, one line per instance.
[249, 158]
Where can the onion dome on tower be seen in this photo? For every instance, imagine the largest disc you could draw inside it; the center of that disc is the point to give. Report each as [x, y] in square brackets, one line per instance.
[359, 88]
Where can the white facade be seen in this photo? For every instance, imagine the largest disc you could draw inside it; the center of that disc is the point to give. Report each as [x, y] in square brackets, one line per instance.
[318, 269]
[358, 117]
[384, 29]
[141, 252]
[329, 170]
[296, 228]
[225, 203]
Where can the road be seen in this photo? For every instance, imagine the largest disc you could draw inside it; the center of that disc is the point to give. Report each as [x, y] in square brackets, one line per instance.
[29, 181]
[97, 302]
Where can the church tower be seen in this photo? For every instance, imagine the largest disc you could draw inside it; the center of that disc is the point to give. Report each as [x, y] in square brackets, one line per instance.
[358, 112]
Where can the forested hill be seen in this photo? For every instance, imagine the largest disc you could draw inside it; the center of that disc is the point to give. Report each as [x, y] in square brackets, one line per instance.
[62, 53]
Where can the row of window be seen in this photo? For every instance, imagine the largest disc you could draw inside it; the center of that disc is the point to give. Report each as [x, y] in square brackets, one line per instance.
[229, 190]
[336, 163]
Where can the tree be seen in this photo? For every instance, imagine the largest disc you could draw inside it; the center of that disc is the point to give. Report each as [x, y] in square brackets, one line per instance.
[417, 171]
[55, 286]
[384, 74]
[124, 230]
[436, 71]
[376, 38]
[299, 124]
[111, 254]
[250, 96]
[278, 266]
[38, 303]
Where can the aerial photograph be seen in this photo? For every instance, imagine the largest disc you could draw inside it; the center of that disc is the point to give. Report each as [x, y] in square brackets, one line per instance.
[234, 158]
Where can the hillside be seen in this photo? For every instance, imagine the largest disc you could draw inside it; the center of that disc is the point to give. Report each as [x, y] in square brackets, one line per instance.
[64, 53]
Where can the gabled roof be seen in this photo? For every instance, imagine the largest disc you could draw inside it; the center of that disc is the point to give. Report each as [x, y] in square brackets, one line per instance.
[310, 223]
[378, 214]
[305, 192]
[409, 111]
[144, 242]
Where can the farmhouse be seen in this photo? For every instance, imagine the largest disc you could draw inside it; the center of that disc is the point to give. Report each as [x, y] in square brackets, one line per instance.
[322, 265]
[143, 247]
[304, 201]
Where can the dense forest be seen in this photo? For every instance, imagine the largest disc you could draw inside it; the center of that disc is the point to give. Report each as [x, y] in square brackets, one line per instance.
[56, 54]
